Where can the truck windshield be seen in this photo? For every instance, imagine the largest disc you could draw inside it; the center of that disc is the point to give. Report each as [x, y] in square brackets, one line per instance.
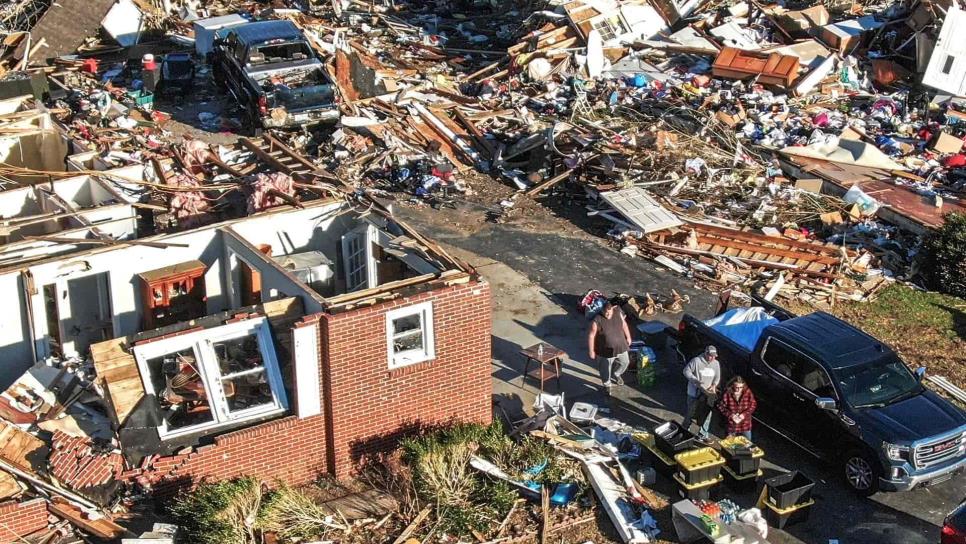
[271, 53]
[877, 383]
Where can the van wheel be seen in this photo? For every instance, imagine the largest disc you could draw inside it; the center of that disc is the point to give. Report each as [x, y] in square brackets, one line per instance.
[861, 472]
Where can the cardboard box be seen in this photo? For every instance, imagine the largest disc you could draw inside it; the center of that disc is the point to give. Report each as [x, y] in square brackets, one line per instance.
[844, 36]
[800, 24]
[810, 185]
[947, 143]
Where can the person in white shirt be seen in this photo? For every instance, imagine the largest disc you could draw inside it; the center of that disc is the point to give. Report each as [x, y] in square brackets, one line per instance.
[703, 374]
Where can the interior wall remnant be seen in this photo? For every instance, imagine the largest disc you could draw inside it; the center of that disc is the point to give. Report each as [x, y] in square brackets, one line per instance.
[16, 354]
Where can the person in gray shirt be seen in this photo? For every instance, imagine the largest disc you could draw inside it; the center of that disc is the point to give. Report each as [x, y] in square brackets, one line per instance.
[703, 374]
[610, 339]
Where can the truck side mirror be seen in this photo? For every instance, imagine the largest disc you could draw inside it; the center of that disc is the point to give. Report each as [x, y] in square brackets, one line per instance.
[826, 403]
[920, 373]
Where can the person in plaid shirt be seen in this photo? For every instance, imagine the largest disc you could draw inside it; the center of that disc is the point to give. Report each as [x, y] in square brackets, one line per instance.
[737, 404]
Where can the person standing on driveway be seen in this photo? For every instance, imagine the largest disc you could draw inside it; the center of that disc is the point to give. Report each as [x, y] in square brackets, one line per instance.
[737, 405]
[610, 339]
[703, 374]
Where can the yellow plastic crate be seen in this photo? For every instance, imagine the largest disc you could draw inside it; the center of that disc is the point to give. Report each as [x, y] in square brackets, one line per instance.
[700, 485]
[734, 442]
[699, 459]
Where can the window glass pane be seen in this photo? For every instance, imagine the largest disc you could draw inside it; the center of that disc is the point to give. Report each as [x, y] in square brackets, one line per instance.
[408, 341]
[407, 324]
[247, 391]
[238, 355]
[813, 378]
[781, 359]
[181, 391]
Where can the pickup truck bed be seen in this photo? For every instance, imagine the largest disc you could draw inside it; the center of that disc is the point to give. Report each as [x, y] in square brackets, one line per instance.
[272, 71]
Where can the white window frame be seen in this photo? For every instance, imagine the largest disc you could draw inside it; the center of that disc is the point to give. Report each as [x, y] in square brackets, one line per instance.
[414, 356]
[201, 342]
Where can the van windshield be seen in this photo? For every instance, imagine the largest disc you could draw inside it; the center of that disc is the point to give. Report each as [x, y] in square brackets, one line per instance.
[877, 383]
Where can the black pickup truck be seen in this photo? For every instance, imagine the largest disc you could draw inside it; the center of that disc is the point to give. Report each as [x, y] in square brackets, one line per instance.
[274, 74]
[838, 393]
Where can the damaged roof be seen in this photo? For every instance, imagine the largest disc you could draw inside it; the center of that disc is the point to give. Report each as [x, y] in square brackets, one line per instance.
[67, 24]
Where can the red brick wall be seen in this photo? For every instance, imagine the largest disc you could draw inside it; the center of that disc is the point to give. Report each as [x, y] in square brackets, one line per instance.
[19, 519]
[290, 449]
[364, 403]
[371, 404]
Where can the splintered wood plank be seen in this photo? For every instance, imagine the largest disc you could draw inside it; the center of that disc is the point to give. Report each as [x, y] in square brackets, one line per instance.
[21, 449]
[119, 374]
[445, 148]
[367, 504]
[9, 486]
[102, 528]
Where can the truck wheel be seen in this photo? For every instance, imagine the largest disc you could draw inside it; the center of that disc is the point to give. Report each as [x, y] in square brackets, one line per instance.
[861, 472]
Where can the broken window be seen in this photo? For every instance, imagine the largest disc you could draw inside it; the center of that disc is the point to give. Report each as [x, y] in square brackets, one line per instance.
[609, 27]
[273, 53]
[409, 334]
[214, 377]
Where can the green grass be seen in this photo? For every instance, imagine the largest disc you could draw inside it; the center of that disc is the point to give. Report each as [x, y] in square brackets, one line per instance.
[925, 328]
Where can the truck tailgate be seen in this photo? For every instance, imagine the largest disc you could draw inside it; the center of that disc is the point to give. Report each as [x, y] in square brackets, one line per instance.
[303, 98]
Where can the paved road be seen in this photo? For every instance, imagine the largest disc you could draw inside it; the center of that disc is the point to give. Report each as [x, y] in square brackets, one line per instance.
[537, 278]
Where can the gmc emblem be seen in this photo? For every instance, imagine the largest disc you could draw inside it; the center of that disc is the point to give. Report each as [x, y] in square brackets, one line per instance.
[940, 447]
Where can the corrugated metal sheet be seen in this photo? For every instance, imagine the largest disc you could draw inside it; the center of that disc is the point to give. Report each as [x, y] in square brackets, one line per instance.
[640, 208]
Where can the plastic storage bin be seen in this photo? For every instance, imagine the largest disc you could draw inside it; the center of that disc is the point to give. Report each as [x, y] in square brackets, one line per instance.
[741, 483]
[781, 518]
[671, 439]
[142, 99]
[661, 463]
[696, 492]
[741, 456]
[700, 465]
[788, 490]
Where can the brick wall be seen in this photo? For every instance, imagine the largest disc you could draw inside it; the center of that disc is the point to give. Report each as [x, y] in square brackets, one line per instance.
[372, 406]
[19, 519]
[366, 407]
[289, 449]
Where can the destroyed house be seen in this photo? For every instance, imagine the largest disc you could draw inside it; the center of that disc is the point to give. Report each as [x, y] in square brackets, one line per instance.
[284, 344]
[315, 332]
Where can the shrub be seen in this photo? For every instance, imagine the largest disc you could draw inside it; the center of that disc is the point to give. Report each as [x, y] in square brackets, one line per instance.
[293, 515]
[944, 256]
[220, 512]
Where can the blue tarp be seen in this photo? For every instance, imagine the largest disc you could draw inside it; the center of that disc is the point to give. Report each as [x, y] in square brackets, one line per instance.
[742, 325]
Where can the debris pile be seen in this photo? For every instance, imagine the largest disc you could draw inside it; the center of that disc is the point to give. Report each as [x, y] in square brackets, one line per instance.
[796, 150]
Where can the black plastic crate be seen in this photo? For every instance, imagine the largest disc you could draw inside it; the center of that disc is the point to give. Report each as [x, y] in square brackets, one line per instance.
[660, 463]
[789, 489]
[671, 439]
[780, 519]
[697, 492]
[741, 483]
[741, 461]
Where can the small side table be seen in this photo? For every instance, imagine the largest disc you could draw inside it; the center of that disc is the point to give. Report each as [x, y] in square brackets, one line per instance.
[548, 364]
